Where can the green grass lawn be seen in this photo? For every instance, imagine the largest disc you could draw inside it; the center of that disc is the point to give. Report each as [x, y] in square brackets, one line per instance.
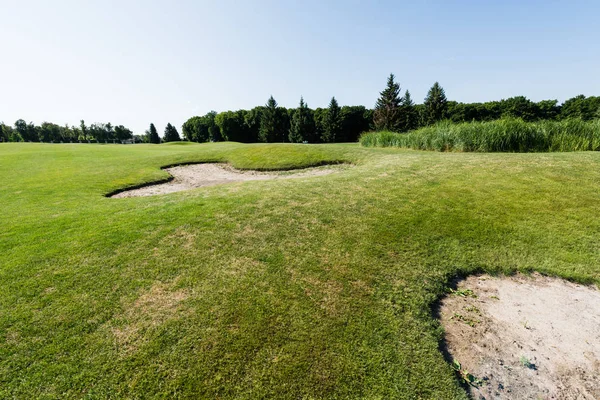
[306, 288]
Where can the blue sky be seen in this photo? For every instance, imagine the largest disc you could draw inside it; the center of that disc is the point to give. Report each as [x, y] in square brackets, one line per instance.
[136, 62]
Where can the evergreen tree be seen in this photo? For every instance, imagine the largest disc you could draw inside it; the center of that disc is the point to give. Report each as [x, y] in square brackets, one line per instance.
[152, 135]
[302, 125]
[409, 118]
[171, 134]
[387, 109]
[436, 105]
[269, 122]
[333, 122]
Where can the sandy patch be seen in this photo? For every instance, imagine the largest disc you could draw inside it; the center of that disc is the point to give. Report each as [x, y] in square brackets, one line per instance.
[524, 337]
[186, 177]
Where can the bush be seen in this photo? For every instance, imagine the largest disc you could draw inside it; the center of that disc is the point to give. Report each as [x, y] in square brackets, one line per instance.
[504, 135]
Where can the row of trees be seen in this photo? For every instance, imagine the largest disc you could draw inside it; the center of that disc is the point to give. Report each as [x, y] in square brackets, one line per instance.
[399, 114]
[272, 123]
[97, 132]
[50, 132]
[171, 135]
[393, 111]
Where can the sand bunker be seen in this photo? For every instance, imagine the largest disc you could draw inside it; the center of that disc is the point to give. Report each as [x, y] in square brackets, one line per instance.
[524, 337]
[186, 177]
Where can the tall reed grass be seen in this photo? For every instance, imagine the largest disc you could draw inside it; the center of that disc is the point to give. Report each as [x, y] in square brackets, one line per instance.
[504, 135]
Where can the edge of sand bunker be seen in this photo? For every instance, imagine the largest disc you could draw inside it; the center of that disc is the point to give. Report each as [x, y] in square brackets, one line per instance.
[196, 175]
[523, 337]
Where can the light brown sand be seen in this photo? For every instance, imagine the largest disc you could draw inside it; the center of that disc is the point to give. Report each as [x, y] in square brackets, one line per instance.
[525, 337]
[188, 177]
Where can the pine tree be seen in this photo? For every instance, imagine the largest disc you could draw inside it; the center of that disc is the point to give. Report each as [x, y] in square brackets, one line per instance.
[436, 104]
[303, 125]
[171, 134]
[387, 109]
[333, 122]
[269, 124]
[409, 118]
[152, 135]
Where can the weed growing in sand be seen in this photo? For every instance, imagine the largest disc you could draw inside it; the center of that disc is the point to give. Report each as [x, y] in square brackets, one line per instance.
[466, 376]
[463, 292]
[467, 320]
[527, 363]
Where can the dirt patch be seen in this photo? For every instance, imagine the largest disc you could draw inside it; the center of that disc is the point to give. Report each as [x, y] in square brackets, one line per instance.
[186, 177]
[151, 309]
[524, 337]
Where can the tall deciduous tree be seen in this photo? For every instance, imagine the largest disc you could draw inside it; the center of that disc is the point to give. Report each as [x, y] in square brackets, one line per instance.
[171, 134]
[303, 125]
[122, 133]
[152, 135]
[436, 104]
[333, 122]
[84, 129]
[387, 109]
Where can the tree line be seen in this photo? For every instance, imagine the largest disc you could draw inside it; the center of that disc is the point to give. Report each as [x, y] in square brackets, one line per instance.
[273, 123]
[49, 132]
[394, 111]
[98, 132]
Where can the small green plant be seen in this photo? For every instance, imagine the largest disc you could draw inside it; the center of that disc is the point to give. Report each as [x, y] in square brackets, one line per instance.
[473, 309]
[466, 376]
[463, 292]
[526, 363]
[467, 320]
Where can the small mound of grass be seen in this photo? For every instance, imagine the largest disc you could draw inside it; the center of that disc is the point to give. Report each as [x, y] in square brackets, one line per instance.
[182, 143]
[505, 135]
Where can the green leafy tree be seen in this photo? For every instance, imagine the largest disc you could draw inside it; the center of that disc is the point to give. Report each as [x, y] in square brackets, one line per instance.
[355, 120]
[520, 107]
[232, 126]
[271, 129]
[202, 129]
[333, 122]
[3, 133]
[28, 131]
[302, 123]
[387, 109]
[49, 132]
[436, 105]
[252, 120]
[109, 132]
[123, 133]
[84, 130]
[152, 135]
[171, 134]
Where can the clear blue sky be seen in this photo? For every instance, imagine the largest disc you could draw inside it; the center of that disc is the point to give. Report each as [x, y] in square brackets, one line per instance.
[136, 62]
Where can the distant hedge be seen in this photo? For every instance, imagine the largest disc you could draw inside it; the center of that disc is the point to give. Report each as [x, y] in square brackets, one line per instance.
[504, 135]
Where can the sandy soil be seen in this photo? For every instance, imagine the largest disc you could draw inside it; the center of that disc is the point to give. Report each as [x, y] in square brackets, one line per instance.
[524, 337]
[188, 177]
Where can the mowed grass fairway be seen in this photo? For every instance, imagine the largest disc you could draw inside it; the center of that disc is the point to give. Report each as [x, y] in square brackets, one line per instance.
[306, 288]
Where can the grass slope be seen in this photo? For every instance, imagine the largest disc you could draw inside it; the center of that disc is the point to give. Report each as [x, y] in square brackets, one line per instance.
[309, 288]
